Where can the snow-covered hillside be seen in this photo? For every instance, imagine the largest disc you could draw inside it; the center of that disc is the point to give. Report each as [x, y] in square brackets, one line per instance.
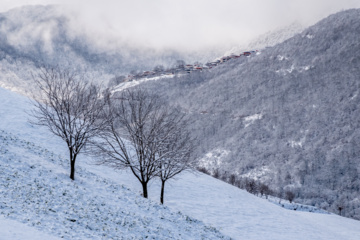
[104, 204]
[287, 117]
[37, 191]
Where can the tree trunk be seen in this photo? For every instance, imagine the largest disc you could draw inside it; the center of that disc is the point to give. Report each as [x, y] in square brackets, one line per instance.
[145, 192]
[72, 165]
[162, 192]
[72, 169]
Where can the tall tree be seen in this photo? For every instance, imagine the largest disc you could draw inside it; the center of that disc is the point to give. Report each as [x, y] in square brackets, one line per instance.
[70, 107]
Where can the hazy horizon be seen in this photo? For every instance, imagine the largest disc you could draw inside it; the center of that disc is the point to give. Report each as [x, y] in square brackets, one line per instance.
[189, 25]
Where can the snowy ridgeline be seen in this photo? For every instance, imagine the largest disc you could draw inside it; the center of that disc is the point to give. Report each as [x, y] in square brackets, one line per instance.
[37, 191]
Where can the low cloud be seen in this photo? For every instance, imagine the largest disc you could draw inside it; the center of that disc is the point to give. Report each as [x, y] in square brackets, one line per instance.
[187, 25]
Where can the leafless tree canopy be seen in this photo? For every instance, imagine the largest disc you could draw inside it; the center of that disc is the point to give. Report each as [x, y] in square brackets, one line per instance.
[143, 135]
[175, 148]
[125, 141]
[69, 107]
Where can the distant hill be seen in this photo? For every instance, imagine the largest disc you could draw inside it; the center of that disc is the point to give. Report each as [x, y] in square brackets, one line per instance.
[288, 116]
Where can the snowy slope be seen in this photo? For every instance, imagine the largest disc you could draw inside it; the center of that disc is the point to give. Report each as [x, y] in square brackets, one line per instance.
[37, 191]
[244, 216]
[42, 196]
[11, 229]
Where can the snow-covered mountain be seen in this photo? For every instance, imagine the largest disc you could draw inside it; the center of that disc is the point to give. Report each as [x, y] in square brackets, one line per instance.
[39, 200]
[288, 116]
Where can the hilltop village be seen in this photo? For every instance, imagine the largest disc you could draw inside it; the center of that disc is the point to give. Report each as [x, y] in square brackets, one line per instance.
[182, 68]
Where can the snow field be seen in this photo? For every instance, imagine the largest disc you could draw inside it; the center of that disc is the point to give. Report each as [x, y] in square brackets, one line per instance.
[38, 192]
[105, 204]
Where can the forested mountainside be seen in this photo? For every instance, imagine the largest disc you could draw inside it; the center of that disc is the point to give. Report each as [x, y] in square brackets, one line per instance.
[33, 36]
[288, 117]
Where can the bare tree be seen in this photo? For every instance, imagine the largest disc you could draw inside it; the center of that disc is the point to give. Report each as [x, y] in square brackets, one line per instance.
[216, 173]
[251, 186]
[264, 190]
[232, 179]
[174, 147]
[69, 106]
[289, 195]
[203, 170]
[146, 136]
[127, 141]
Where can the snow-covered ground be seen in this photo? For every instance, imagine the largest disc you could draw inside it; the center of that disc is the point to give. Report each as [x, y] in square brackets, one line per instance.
[134, 83]
[39, 201]
[295, 206]
[37, 192]
[11, 229]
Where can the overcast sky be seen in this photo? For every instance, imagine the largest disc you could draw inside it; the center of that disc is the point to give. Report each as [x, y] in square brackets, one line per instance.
[191, 24]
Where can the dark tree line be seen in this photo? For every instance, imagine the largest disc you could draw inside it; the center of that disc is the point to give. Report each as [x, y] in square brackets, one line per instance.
[250, 185]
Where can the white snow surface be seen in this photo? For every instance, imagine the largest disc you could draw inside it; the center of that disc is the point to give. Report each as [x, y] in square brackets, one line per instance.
[39, 201]
[11, 229]
[134, 83]
[250, 119]
[36, 191]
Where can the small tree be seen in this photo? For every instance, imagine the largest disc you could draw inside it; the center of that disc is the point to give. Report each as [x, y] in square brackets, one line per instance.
[232, 179]
[264, 190]
[203, 170]
[216, 173]
[251, 186]
[289, 195]
[70, 107]
[174, 147]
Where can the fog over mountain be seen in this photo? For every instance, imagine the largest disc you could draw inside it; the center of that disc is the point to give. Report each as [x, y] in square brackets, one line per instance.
[34, 36]
[186, 25]
[288, 116]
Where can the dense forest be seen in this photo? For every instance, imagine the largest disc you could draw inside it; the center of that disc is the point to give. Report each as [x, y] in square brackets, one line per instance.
[287, 117]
